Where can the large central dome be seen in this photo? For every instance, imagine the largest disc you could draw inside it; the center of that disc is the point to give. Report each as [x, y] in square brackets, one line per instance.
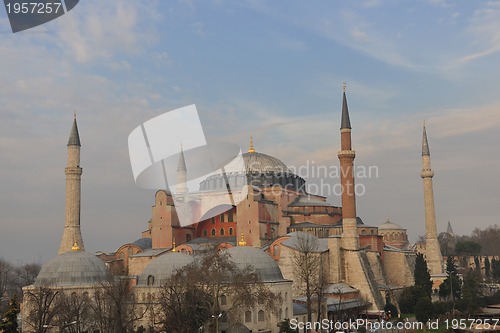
[263, 163]
[260, 170]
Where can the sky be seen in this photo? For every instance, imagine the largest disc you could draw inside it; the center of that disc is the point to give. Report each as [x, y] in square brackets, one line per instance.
[268, 69]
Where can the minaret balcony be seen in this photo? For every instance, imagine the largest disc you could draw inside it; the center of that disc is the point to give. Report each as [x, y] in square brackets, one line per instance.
[347, 153]
[427, 173]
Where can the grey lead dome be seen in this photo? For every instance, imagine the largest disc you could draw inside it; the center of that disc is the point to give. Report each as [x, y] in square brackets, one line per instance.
[265, 267]
[72, 269]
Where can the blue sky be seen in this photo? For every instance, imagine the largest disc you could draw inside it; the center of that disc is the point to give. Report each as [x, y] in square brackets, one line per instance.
[271, 69]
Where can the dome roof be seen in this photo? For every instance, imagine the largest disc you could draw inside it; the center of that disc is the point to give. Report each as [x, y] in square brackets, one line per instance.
[388, 225]
[73, 268]
[262, 163]
[164, 267]
[267, 269]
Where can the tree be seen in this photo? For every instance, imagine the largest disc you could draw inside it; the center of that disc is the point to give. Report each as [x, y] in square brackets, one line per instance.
[307, 266]
[208, 289]
[285, 327]
[467, 248]
[113, 307]
[471, 292]
[409, 297]
[424, 309]
[422, 275]
[75, 313]
[487, 269]
[452, 282]
[9, 323]
[43, 308]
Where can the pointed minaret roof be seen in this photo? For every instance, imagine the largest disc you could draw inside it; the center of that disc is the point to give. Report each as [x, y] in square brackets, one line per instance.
[182, 162]
[74, 137]
[425, 144]
[346, 122]
[449, 229]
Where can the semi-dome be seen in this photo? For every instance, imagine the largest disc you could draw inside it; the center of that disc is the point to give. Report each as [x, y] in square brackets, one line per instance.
[162, 268]
[388, 225]
[265, 267]
[73, 268]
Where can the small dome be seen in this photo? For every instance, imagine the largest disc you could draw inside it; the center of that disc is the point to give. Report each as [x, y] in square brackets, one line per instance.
[388, 225]
[261, 262]
[262, 163]
[144, 243]
[72, 268]
[163, 267]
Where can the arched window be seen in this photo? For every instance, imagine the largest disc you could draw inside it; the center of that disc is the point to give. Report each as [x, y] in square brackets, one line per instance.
[213, 232]
[276, 250]
[222, 231]
[205, 233]
[260, 316]
[280, 314]
[286, 313]
[130, 251]
[230, 231]
[223, 300]
[151, 280]
[286, 296]
[248, 316]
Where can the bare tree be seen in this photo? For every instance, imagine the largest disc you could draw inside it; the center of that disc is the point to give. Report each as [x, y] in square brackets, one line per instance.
[75, 312]
[307, 266]
[113, 307]
[42, 307]
[214, 286]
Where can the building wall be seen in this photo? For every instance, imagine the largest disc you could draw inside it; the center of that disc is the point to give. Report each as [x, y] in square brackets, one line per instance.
[399, 267]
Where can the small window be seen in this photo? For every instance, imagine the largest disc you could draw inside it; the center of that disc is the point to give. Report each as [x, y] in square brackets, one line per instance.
[230, 231]
[130, 251]
[260, 316]
[213, 220]
[230, 217]
[248, 316]
[205, 233]
[223, 300]
[222, 217]
[151, 280]
[213, 232]
[188, 237]
[222, 231]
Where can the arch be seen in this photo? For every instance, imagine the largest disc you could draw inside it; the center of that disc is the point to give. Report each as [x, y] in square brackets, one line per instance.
[261, 316]
[230, 231]
[222, 231]
[151, 280]
[248, 316]
[213, 231]
[223, 300]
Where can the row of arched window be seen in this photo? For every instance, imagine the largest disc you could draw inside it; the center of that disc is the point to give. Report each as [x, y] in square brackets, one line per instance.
[222, 232]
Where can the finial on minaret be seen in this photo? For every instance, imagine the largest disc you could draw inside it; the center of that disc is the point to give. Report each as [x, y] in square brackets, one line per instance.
[251, 150]
[74, 115]
[425, 143]
[242, 241]
[174, 249]
[344, 85]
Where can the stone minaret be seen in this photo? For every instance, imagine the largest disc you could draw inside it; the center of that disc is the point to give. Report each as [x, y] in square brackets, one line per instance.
[350, 239]
[432, 250]
[181, 188]
[72, 234]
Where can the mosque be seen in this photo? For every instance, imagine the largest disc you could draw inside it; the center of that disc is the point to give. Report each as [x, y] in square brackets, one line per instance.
[362, 266]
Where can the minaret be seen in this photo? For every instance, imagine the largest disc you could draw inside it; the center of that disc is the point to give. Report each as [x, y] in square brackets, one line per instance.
[72, 234]
[350, 239]
[432, 250]
[181, 188]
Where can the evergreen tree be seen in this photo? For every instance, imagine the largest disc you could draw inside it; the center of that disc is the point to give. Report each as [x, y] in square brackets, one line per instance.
[452, 282]
[487, 268]
[422, 275]
[424, 309]
[9, 322]
[471, 292]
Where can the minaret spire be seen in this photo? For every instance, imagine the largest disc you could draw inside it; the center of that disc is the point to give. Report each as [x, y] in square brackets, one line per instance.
[72, 233]
[432, 249]
[350, 238]
[181, 188]
[425, 143]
